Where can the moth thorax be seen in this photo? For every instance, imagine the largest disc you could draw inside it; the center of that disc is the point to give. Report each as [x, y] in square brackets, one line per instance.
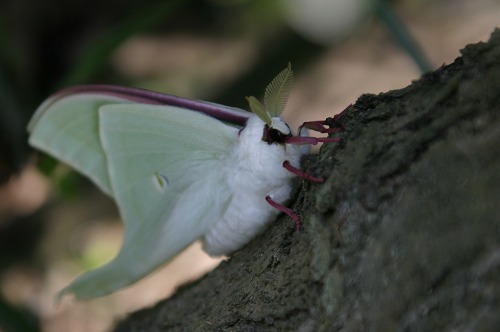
[277, 132]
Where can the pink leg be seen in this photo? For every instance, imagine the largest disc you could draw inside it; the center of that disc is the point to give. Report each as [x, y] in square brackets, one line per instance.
[289, 212]
[311, 140]
[341, 114]
[296, 171]
[320, 126]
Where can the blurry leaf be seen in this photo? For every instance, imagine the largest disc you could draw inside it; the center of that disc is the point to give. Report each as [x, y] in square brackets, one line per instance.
[3, 33]
[69, 185]
[62, 176]
[98, 252]
[46, 164]
[97, 55]
[12, 131]
[401, 34]
[13, 319]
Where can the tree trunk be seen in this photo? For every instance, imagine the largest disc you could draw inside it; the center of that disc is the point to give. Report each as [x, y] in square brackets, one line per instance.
[403, 235]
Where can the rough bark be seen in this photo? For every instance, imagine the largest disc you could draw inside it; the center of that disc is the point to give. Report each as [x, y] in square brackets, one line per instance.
[404, 234]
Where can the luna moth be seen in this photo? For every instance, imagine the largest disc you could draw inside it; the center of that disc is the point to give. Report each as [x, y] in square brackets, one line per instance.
[178, 169]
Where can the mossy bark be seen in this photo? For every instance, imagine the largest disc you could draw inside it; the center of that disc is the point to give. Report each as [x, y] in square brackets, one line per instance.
[404, 234]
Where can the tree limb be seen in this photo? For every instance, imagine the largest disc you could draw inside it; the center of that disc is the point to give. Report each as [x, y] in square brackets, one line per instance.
[404, 234]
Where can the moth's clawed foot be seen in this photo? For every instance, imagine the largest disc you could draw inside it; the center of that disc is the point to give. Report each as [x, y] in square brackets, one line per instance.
[322, 126]
[335, 121]
[298, 225]
[328, 126]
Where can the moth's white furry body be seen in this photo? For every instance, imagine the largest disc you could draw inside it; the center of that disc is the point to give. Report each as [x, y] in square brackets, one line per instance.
[254, 172]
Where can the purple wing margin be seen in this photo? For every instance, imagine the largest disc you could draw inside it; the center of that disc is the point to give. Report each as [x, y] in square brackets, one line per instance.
[228, 114]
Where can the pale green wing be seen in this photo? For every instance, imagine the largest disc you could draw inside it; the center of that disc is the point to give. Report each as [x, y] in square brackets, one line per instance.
[66, 127]
[167, 170]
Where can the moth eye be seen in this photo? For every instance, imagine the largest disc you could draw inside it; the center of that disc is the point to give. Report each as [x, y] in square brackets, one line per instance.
[160, 181]
[277, 136]
[272, 135]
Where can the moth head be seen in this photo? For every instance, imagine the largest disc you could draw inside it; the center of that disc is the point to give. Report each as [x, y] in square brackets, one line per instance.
[277, 132]
[275, 98]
